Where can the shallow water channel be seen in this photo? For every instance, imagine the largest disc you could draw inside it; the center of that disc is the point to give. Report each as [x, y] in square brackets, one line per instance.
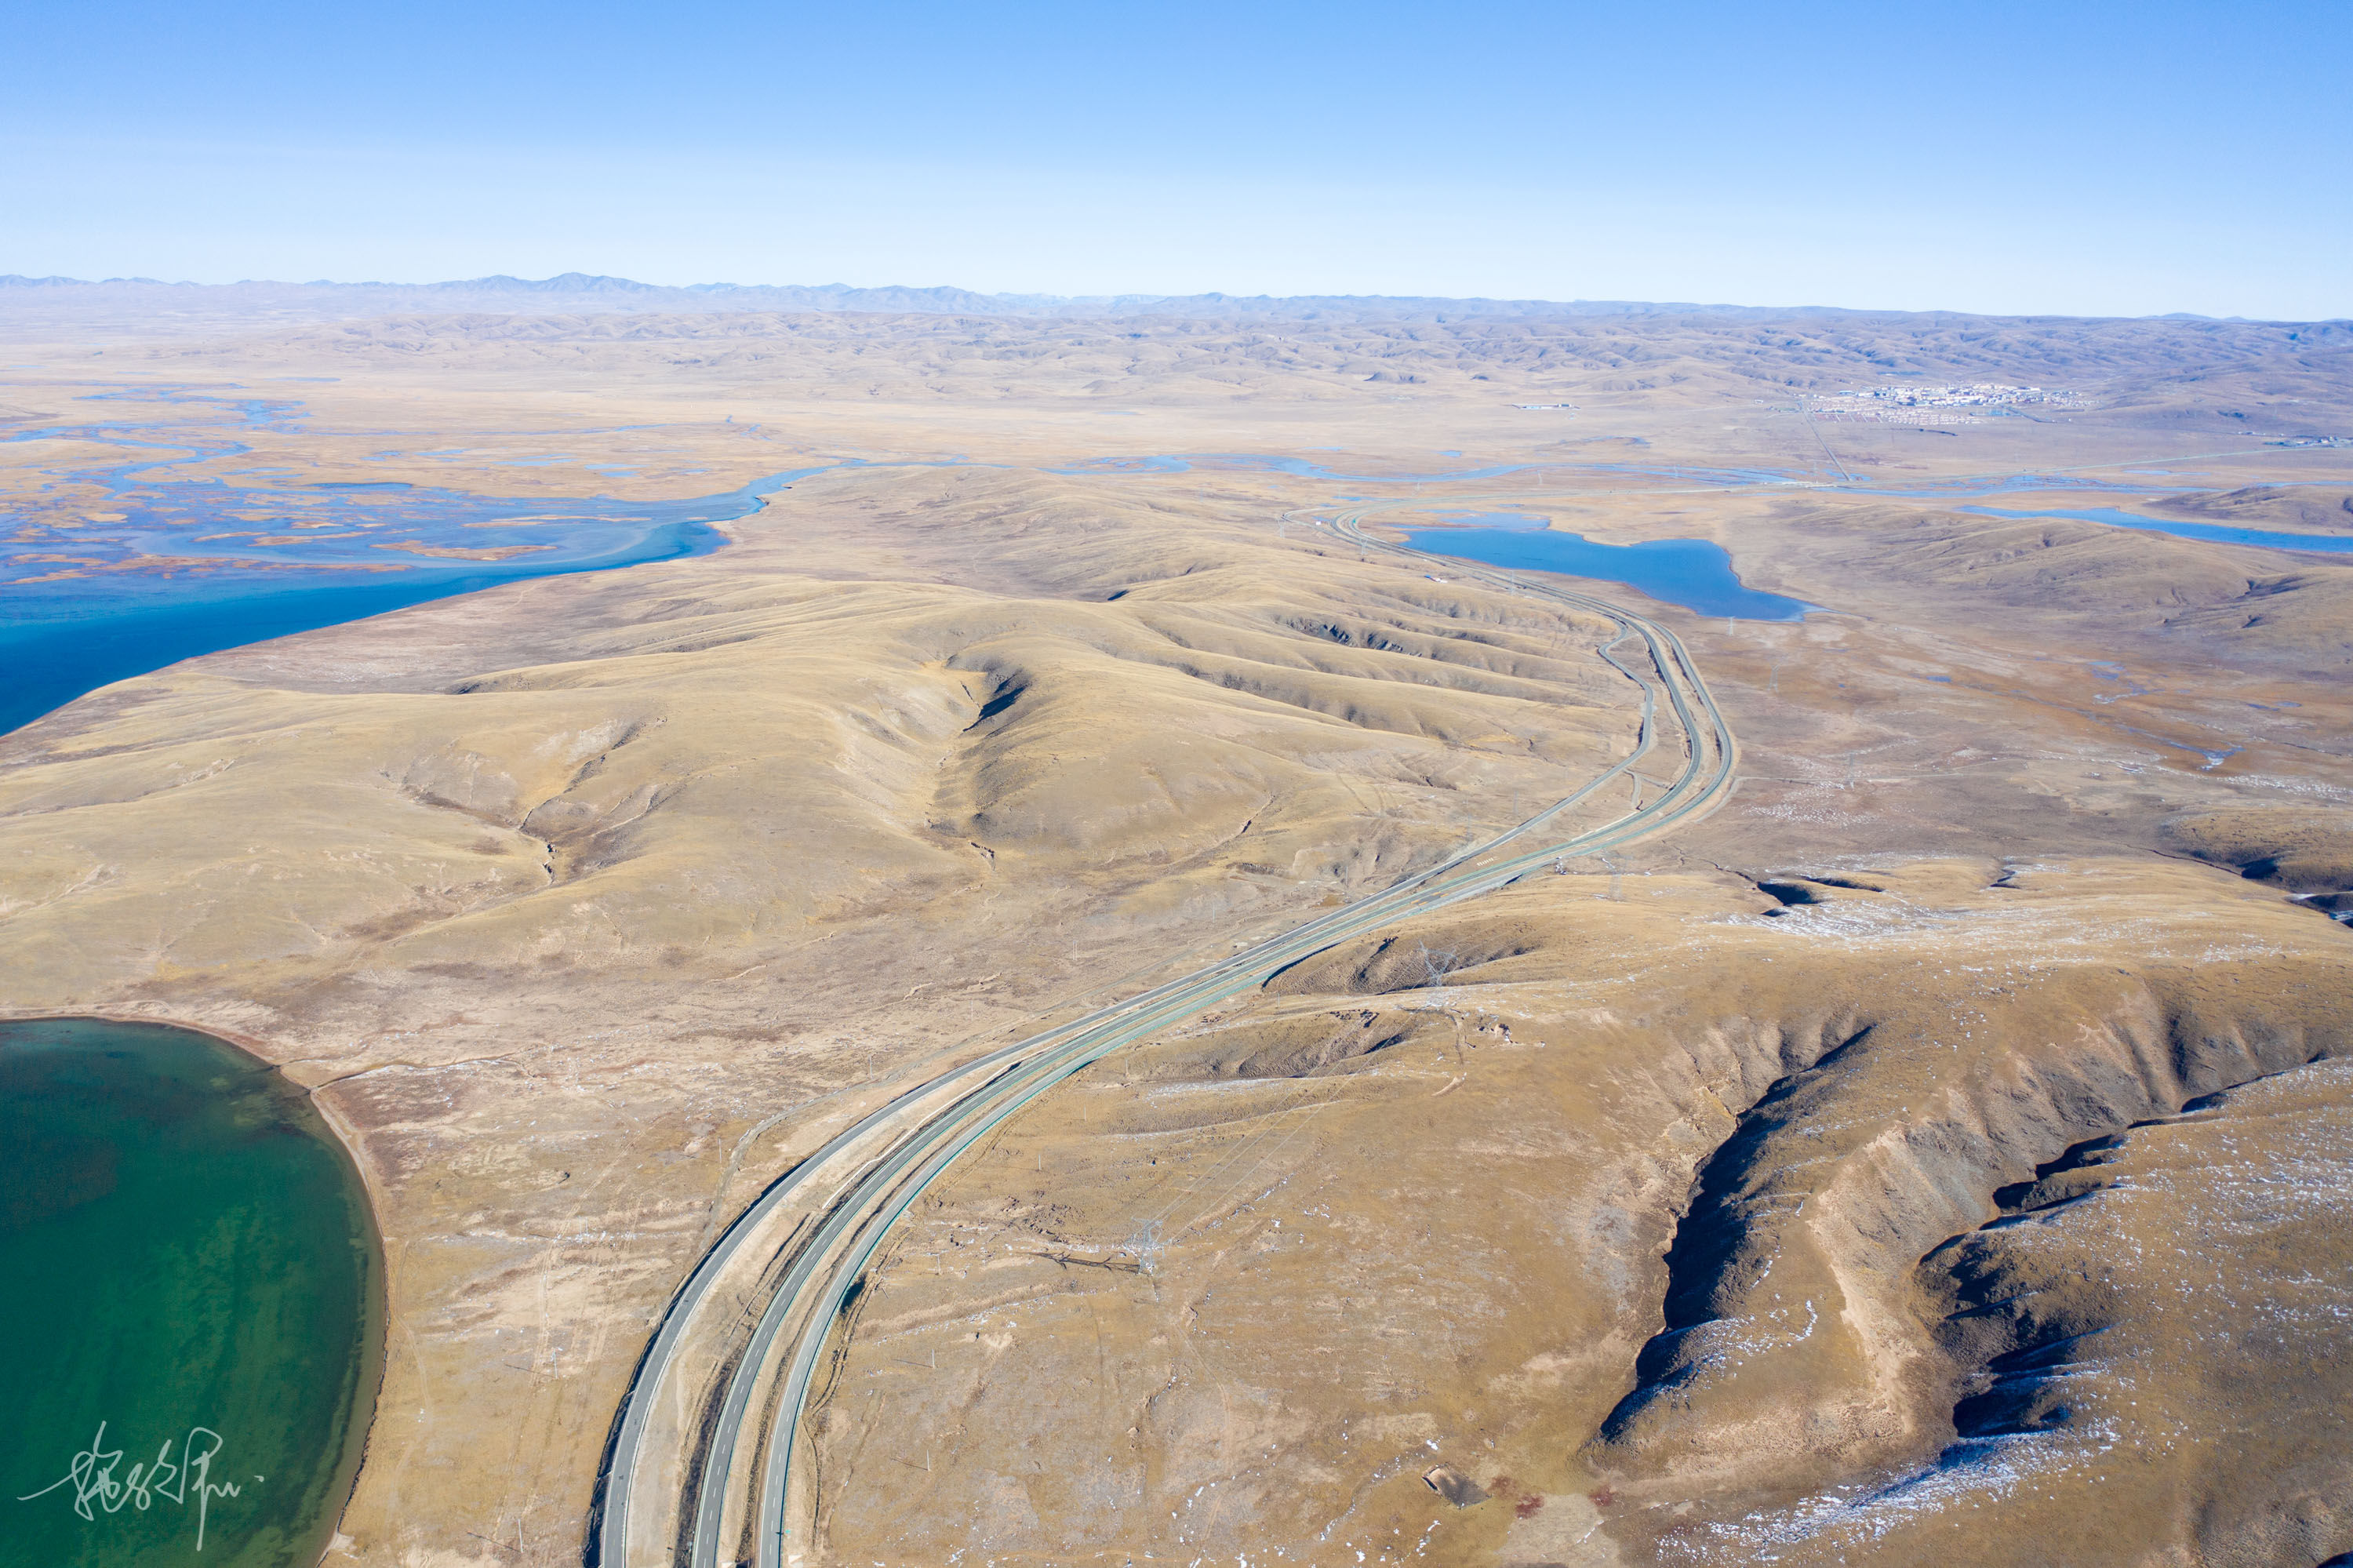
[191, 1318]
[2213, 533]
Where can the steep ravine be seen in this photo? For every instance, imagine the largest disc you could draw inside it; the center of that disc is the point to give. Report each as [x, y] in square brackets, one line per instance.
[1787, 1352]
[2145, 1353]
[1641, 1175]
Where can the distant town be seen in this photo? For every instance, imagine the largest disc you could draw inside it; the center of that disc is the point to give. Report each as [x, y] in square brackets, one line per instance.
[1958, 405]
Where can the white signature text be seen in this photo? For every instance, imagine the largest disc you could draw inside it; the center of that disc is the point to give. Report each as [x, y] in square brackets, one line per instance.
[96, 1483]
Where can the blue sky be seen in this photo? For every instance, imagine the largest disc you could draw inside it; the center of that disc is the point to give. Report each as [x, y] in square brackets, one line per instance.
[2050, 157]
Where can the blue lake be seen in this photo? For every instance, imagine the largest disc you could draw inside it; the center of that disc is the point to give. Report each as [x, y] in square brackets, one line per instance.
[2214, 533]
[171, 567]
[60, 638]
[1694, 573]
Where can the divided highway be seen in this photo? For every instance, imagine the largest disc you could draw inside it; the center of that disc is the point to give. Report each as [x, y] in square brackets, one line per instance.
[702, 1451]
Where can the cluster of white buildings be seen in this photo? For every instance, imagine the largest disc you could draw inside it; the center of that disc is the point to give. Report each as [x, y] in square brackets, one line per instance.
[1984, 394]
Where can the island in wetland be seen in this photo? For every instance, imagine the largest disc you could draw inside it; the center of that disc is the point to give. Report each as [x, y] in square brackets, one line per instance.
[702, 928]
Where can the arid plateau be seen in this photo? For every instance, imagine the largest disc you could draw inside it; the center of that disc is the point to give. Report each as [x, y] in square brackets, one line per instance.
[1899, 1110]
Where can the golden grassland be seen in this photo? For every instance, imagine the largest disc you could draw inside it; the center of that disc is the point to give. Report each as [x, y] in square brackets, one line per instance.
[1688, 1205]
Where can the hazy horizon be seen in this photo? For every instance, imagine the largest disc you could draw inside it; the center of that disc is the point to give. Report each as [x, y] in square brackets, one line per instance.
[2007, 160]
[1124, 301]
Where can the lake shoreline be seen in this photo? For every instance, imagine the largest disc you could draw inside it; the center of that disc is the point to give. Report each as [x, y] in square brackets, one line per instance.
[344, 1140]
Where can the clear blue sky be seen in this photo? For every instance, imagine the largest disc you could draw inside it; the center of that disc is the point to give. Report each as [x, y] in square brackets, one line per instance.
[2106, 158]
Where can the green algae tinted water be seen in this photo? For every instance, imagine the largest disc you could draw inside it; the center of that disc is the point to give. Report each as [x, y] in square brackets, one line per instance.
[190, 1305]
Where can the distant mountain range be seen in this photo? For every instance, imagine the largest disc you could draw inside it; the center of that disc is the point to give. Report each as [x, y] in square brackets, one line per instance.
[590, 294]
[582, 292]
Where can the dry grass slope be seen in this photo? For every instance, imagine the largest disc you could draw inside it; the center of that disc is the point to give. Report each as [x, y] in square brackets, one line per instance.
[1937, 1152]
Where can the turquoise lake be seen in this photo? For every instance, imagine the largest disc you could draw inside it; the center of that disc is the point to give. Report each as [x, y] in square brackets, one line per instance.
[191, 1323]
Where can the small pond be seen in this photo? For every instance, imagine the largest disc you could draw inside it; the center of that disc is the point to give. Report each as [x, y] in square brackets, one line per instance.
[1694, 573]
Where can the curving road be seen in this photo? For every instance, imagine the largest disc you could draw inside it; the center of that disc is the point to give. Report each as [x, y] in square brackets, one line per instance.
[680, 1480]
